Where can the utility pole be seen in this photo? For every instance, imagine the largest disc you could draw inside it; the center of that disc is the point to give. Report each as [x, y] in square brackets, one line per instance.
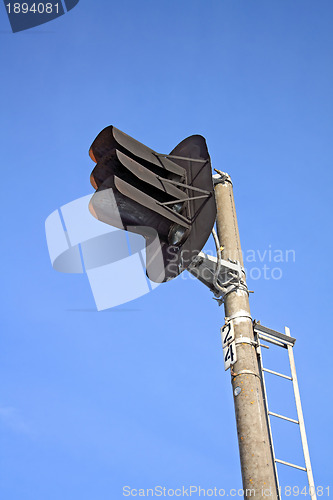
[257, 465]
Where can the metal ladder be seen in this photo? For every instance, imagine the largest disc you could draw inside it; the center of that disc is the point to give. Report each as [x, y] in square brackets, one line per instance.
[287, 342]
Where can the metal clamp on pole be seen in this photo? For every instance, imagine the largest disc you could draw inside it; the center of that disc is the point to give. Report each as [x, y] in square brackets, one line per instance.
[238, 315]
[246, 340]
[245, 372]
[221, 177]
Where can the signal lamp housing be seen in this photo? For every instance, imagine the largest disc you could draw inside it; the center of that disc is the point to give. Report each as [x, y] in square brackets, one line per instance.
[168, 199]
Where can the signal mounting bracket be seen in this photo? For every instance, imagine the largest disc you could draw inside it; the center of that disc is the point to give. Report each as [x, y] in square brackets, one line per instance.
[230, 277]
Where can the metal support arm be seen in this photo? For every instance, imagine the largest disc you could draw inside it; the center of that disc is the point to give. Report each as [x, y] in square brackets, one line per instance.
[229, 279]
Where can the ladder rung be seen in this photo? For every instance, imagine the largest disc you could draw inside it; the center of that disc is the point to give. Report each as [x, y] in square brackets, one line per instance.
[290, 465]
[263, 345]
[271, 341]
[277, 373]
[284, 418]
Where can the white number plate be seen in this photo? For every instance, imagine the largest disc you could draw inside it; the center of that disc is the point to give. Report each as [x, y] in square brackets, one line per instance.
[229, 355]
[227, 334]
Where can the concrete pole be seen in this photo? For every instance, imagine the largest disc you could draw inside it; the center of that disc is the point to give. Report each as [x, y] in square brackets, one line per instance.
[258, 472]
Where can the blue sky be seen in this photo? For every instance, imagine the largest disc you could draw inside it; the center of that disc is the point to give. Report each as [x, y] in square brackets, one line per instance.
[137, 395]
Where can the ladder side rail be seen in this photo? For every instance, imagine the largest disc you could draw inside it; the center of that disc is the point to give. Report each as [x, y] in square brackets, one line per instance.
[312, 490]
[262, 378]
